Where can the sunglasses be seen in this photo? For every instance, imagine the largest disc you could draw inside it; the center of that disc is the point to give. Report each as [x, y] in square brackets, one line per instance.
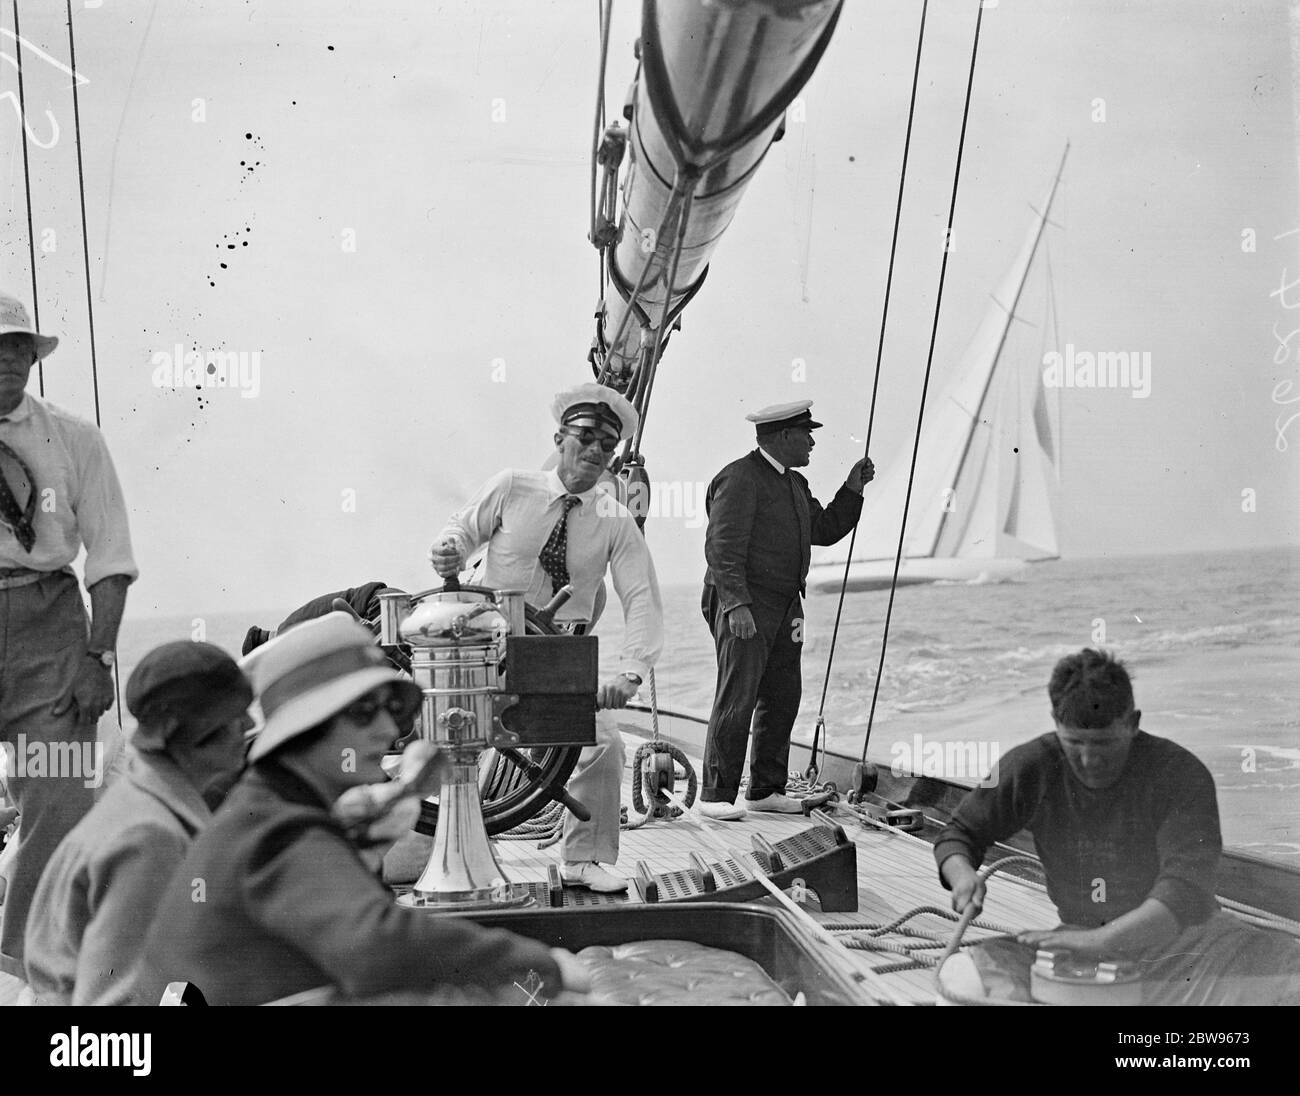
[586, 437]
[363, 712]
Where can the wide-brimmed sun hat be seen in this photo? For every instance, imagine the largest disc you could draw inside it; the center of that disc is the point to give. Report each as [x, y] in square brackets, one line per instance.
[15, 321]
[312, 672]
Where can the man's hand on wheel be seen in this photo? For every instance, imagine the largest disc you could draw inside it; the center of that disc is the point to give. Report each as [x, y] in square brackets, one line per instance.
[741, 622]
[446, 559]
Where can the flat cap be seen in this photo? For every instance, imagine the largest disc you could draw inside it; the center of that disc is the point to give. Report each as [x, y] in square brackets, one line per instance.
[174, 667]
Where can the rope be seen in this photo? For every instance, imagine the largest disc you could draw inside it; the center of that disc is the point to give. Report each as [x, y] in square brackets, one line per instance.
[813, 767]
[647, 797]
[545, 824]
[925, 386]
[27, 183]
[648, 800]
[968, 915]
[915, 911]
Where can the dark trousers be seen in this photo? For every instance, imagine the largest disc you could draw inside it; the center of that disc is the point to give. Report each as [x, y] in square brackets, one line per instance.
[758, 679]
[43, 631]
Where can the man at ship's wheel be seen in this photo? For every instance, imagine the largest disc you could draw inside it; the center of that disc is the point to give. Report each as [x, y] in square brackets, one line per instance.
[546, 530]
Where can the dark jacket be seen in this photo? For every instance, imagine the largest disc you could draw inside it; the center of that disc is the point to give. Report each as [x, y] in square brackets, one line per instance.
[761, 528]
[273, 899]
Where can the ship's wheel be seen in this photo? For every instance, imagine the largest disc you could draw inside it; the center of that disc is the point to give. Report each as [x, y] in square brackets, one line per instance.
[511, 795]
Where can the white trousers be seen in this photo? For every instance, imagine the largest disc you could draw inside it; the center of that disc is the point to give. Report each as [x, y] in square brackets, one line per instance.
[597, 784]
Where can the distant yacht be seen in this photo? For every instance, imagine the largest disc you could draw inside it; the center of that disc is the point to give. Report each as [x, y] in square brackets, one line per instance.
[983, 501]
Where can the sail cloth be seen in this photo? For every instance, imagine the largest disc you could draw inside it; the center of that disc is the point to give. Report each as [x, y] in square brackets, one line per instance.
[987, 465]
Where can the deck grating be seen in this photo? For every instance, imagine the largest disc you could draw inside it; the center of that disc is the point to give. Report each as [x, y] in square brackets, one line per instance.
[896, 874]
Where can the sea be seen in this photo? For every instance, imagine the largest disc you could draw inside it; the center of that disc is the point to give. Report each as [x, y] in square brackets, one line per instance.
[1212, 641]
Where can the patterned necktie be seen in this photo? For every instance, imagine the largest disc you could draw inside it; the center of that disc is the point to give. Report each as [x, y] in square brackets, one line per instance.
[555, 552]
[16, 518]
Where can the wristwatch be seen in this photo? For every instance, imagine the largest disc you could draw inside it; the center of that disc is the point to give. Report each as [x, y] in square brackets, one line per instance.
[104, 658]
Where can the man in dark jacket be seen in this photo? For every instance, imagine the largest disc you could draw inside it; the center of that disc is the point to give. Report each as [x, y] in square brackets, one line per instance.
[763, 521]
[274, 899]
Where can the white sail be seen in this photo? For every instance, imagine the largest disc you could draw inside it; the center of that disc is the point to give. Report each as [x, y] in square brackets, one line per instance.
[986, 467]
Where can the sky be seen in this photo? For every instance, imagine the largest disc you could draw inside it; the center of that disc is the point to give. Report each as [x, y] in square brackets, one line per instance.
[383, 208]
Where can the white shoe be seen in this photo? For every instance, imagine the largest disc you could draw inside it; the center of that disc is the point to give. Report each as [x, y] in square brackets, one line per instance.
[781, 804]
[591, 875]
[720, 812]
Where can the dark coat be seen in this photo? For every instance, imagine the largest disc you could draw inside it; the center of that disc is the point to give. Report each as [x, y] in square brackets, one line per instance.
[761, 528]
[273, 899]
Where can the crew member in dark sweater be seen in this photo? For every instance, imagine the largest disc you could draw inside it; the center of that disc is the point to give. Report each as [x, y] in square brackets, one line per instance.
[1127, 827]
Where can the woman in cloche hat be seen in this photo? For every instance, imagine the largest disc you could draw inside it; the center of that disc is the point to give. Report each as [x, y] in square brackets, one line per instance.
[287, 902]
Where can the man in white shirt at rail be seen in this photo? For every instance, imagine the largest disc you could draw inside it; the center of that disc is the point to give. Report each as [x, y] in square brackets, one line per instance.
[546, 529]
[58, 491]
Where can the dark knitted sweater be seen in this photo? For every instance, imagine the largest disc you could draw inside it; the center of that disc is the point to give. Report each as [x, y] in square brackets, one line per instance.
[1153, 834]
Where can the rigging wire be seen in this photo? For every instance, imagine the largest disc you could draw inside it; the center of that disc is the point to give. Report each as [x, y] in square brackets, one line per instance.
[603, 8]
[925, 386]
[670, 277]
[27, 183]
[85, 255]
[813, 767]
[81, 191]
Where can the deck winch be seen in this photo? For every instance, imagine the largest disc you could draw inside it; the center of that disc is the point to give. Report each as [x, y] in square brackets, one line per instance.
[1060, 977]
[486, 685]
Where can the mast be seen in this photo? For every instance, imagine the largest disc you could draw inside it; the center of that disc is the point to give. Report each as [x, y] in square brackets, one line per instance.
[709, 99]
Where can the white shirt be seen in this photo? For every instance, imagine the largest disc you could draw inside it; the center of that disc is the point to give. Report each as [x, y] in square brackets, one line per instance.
[78, 497]
[780, 468]
[514, 513]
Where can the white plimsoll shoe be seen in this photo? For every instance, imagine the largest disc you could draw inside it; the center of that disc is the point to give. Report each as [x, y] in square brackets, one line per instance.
[720, 812]
[781, 804]
[589, 874]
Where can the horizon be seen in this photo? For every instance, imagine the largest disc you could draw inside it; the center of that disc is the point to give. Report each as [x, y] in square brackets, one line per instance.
[271, 610]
